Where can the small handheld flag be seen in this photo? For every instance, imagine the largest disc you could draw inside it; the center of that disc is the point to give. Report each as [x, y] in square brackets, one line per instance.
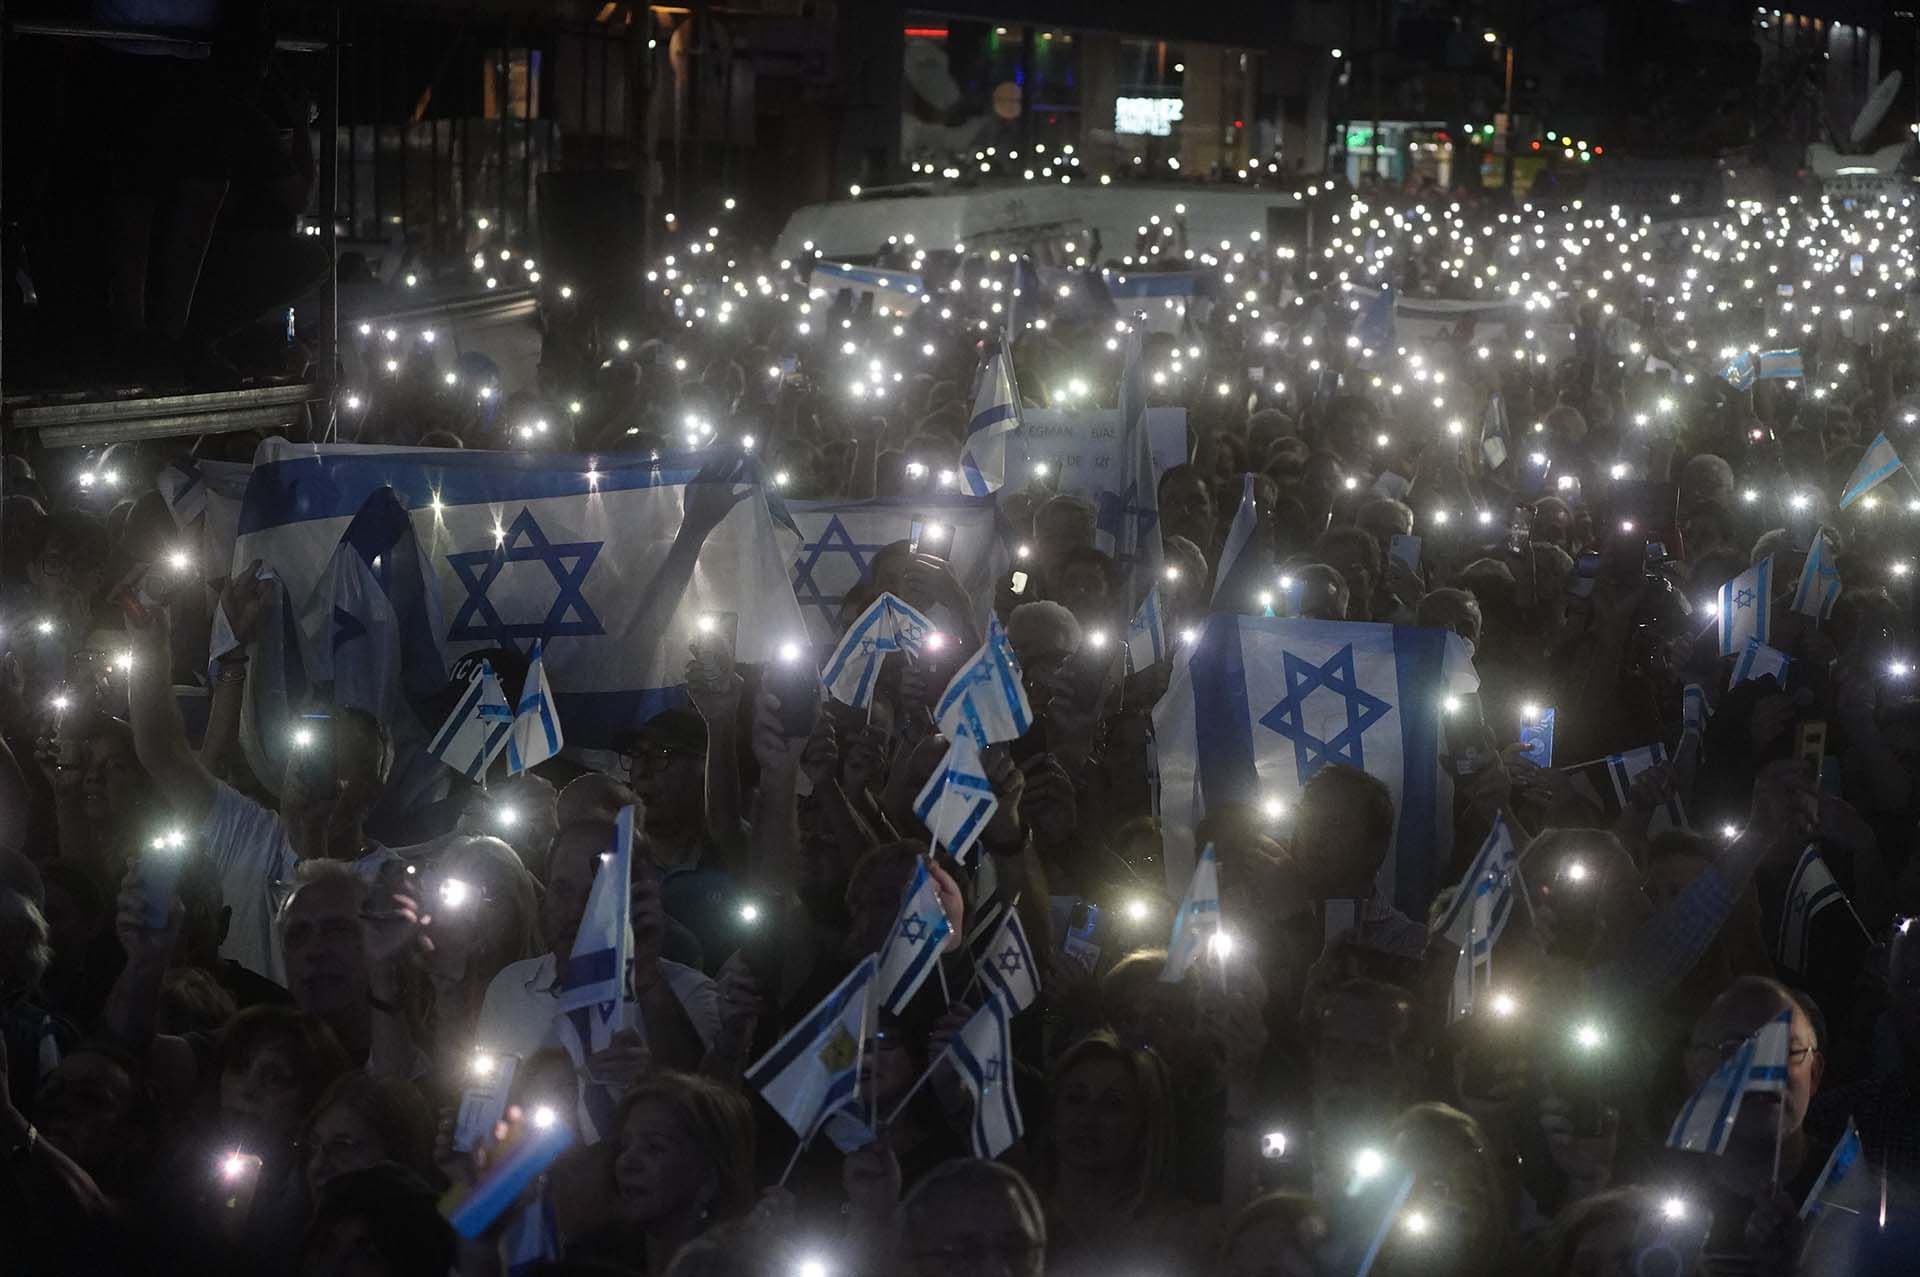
[594, 978]
[1819, 586]
[536, 733]
[1838, 1170]
[1757, 660]
[1706, 1120]
[958, 800]
[815, 1069]
[912, 949]
[1874, 469]
[1236, 583]
[1811, 889]
[1004, 959]
[1746, 607]
[1197, 919]
[1147, 632]
[986, 700]
[1489, 876]
[477, 729]
[982, 1054]
[996, 414]
[889, 624]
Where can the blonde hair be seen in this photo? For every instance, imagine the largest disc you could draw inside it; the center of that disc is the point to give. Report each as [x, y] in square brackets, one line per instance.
[1149, 1074]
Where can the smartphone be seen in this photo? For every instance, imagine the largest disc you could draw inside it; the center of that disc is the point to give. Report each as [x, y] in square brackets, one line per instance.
[483, 1101]
[930, 537]
[157, 874]
[1519, 529]
[1020, 582]
[1338, 916]
[313, 754]
[1810, 742]
[238, 1178]
[792, 677]
[1669, 1242]
[1537, 735]
[1078, 940]
[1406, 549]
[1469, 741]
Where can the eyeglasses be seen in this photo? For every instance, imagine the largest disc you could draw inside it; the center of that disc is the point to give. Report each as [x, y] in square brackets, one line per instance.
[1727, 1048]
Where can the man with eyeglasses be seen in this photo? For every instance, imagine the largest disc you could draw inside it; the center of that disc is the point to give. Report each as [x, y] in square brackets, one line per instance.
[1754, 1215]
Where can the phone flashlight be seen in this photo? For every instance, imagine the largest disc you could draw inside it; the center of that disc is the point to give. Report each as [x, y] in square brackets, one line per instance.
[749, 913]
[1504, 1005]
[1588, 1036]
[708, 623]
[454, 893]
[1020, 582]
[544, 1116]
[1138, 910]
[1097, 639]
[179, 560]
[505, 816]
[936, 641]
[483, 1065]
[1369, 1163]
[1416, 1223]
[1220, 945]
[1273, 808]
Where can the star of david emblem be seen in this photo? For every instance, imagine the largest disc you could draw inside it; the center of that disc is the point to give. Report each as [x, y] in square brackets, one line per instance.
[1744, 599]
[834, 541]
[839, 1051]
[1288, 718]
[993, 1068]
[1010, 959]
[913, 928]
[524, 542]
[1115, 508]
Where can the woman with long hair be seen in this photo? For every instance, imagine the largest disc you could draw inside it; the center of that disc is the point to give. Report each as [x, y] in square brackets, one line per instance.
[484, 905]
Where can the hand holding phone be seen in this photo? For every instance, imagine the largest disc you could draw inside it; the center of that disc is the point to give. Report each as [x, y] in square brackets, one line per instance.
[484, 1099]
[794, 681]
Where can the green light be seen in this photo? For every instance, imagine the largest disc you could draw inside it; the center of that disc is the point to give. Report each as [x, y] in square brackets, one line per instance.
[1359, 137]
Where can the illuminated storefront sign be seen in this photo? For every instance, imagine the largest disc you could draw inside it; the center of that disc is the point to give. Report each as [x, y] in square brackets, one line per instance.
[1153, 116]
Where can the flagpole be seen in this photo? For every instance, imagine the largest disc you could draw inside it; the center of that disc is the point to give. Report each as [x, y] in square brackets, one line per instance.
[1779, 1137]
[914, 1089]
[794, 1161]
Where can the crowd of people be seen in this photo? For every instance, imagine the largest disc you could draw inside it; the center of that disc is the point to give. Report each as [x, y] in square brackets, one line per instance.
[265, 1058]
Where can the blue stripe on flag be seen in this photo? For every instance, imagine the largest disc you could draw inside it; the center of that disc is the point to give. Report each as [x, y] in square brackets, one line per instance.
[1419, 666]
[457, 719]
[586, 969]
[806, 1035]
[1225, 722]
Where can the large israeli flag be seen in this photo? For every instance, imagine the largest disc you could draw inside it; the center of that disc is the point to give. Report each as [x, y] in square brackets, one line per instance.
[608, 561]
[1874, 469]
[204, 498]
[1262, 704]
[996, 414]
[831, 546]
[1746, 607]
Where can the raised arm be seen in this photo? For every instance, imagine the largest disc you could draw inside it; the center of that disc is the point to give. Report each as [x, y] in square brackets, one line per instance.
[159, 736]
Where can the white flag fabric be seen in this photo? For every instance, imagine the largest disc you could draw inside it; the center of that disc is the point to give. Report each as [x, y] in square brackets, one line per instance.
[1694, 710]
[595, 556]
[888, 625]
[1239, 579]
[1476, 952]
[1819, 587]
[381, 645]
[204, 498]
[594, 978]
[982, 1054]
[899, 290]
[1493, 431]
[536, 735]
[1706, 1120]
[912, 949]
[1811, 889]
[477, 729]
[830, 547]
[1004, 958]
[1874, 469]
[1195, 921]
[1623, 768]
[1746, 607]
[986, 700]
[1746, 367]
[957, 801]
[1147, 633]
[815, 1069]
[996, 414]
[1258, 705]
[1837, 1177]
[1134, 523]
[1490, 876]
[1757, 660]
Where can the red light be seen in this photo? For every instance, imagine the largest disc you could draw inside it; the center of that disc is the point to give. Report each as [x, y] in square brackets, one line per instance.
[1599, 150]
[1536, 146]
[1239, 124]
[927, 33]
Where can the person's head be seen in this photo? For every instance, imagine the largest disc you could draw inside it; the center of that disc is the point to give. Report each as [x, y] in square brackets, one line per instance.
[1357, 557]
[1742, 1010]
[114, 788]
[1364, 1059]
[667, 762]
[1451, 609]
[571, 867]
[484, 908]
[96, 1107]
[594, 796]
[971, 1218]
[1112, 1116]
[1064, 524]
[1595, 1236]
[1384, 518]
[1185, 570]
[272, 1063]
[1552, 523]
[1274, 1236]
[1342, 828]
[1324, 595]
[1088, 584]
[383, 1221]
[1706, 477]
[1457, 1187]
[523, 812]
[1586, 889]
[683, 1152]
[324, 800]
[362, 1120]
[321, 941]
[1044, 636]
[1186, 505]
[1143, 1011]
[895, 1057]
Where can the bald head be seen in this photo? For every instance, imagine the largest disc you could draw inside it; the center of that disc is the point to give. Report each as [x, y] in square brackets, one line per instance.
[1744, 1008]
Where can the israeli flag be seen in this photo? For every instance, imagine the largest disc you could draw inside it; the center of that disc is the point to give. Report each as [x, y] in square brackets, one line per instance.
[1811, 889]
[1004, 958]
[899, 288]
[1623, 768]
[1196, 920]
[1757, 660]
[996, 414]
[986, 701]
[1694, 710]
[1874, 469]
[1136, 532]
[536, 735]
[608, 560]
[1490, 878]
[1476, 956]
[1706, 1121]
[814, 1070]
[382, 647]
[1237, 581]
[1746, 604]
[1147, 633]
[1375, 327]
[1835, 1174]
[1819, 586]
[595, 976]
[1262, 704]
[982, 1054]
[1745, 368]
[888, 625]
[1493, 432]
[830, 547]
[913, 946]
[477, 729]
[204, 498]
[957, 801]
